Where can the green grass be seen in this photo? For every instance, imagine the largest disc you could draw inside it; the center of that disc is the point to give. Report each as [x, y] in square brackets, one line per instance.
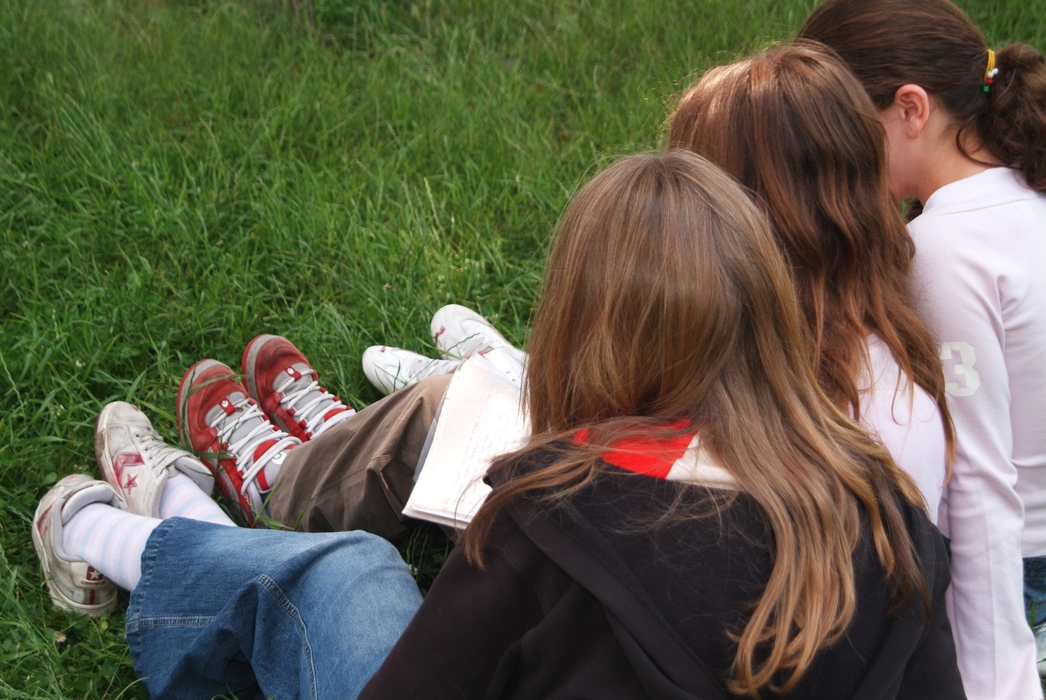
[177, 179]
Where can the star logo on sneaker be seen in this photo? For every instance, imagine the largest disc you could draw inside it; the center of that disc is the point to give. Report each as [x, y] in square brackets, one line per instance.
[124, 460]
[132, 481]
[93, 576]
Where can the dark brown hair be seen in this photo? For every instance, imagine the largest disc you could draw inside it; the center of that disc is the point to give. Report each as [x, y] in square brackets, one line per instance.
[667, 300]
[932, 44]
[795, 127]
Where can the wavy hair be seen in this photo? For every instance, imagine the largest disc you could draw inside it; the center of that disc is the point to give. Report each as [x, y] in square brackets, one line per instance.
[795, 127]
[666, 302]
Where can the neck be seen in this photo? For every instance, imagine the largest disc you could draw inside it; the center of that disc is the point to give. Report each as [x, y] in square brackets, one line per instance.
[951, 165]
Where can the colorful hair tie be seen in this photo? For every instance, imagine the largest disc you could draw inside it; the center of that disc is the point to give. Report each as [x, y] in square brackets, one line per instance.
[990, 71]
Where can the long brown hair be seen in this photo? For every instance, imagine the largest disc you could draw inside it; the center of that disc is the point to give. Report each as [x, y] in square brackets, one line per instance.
[931, 43]
[794, 126]
[666, 300]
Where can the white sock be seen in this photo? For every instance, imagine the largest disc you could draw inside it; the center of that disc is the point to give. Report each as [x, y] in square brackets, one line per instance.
[182, 498]
[110, 540]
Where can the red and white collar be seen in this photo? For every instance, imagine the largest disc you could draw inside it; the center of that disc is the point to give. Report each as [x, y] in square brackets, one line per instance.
[675, 459]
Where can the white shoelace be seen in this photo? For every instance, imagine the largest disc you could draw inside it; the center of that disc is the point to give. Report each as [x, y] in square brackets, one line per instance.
[313, 409]
[157, 453]
[243, 447]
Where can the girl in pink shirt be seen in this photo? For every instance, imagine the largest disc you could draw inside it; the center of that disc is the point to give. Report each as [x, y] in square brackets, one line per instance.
[966, 136]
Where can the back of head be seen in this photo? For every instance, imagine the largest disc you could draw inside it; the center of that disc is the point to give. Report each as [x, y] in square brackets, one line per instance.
[659, 282]
[931, 43]
[668, 303]
[796, 128]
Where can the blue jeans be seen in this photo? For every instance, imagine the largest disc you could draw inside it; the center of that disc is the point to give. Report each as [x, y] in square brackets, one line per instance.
[1035, 590]
[264, 613]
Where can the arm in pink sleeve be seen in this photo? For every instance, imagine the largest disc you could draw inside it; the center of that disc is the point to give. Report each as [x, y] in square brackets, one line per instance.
[957, 294]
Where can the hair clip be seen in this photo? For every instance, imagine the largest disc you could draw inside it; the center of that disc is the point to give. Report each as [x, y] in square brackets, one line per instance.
[990, 71]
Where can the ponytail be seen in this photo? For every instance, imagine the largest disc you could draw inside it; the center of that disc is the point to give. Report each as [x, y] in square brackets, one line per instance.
[931, 43]
[1013, 124]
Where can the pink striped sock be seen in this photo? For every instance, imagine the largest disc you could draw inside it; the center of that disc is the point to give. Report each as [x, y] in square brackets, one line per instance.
[182, 498]
[110, 540]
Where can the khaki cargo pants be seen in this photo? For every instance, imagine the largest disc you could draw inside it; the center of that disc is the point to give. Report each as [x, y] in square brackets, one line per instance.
[359, 474]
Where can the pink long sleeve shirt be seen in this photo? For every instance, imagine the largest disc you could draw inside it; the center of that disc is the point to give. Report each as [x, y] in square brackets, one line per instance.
[979, 283]
[907, 422]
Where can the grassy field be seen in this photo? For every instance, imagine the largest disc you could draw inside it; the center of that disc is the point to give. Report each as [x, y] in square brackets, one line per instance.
[177, 178]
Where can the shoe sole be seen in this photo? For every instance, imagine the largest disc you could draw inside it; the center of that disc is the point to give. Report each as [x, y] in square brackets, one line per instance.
[57, 597]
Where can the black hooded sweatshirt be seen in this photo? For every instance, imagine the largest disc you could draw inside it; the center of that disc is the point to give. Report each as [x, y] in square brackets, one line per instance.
[593, 598]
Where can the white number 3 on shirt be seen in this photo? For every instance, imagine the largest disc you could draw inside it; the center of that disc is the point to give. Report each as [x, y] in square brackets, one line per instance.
[961, 379]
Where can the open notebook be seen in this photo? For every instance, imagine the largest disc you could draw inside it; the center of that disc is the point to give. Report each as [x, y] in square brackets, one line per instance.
[480, 418]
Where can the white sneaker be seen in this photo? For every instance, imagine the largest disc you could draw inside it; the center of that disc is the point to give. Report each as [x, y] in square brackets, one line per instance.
[73, 583]
[460, 332]
[136, 462]
[390, 369]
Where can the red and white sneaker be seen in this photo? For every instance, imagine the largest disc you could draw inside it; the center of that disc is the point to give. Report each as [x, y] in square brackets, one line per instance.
[231, 435]
[72, 583]
[390, 369]
[460, 333]
[287, 388]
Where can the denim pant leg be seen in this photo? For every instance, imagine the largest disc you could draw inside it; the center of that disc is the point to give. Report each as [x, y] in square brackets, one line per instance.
[1035, 590]
[264, 613]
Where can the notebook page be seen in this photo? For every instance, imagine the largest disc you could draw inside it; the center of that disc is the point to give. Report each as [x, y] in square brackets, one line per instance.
[480, 419]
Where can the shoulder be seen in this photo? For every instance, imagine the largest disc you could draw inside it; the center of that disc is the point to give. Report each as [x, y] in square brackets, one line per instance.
[987, 214]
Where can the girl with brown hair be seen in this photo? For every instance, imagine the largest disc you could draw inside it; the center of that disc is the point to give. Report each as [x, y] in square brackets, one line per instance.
[798, 131]
[692, 518]
[966, 135]
[795, 128]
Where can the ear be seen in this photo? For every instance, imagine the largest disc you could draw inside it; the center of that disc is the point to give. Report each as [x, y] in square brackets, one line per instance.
[911, 104]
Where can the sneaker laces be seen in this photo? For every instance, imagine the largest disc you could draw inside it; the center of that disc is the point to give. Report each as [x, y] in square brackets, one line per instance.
[242, 428]
[310, 402]
[156, 451]
[161, 454]
[423, 367]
